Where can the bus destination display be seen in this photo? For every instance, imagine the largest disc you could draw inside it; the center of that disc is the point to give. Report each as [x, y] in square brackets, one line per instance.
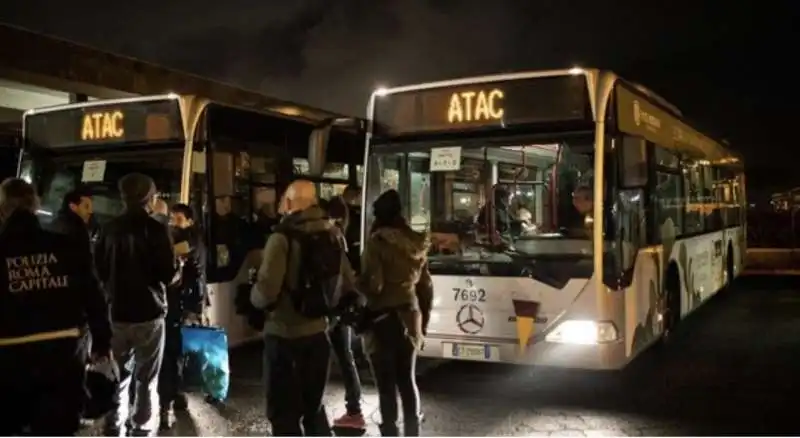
[486, 105]
[129, 123]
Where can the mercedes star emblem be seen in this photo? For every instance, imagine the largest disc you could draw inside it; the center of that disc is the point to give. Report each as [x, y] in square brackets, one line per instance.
[470, 319]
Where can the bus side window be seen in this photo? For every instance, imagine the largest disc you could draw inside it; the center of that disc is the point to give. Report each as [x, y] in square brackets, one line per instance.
[333, 181]
[667, 196]
[694, 219]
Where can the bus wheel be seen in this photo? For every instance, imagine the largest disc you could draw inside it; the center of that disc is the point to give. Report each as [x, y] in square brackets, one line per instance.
[672, 290]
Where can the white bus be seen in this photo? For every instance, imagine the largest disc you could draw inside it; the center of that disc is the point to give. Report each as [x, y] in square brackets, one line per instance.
[575, 217]
[230, 161]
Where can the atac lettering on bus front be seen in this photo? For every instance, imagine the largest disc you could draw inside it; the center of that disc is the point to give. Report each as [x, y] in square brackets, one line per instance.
[104, 125]
[30, 273]
[476, 106]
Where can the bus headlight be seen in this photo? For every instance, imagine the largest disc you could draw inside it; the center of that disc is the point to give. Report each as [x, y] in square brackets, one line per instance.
[583, 332]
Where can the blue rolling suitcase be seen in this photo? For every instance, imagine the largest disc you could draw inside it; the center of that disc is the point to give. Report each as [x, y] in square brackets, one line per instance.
[205, 351]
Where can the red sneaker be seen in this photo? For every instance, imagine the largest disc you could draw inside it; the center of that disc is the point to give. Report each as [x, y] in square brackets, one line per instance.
[350, 421]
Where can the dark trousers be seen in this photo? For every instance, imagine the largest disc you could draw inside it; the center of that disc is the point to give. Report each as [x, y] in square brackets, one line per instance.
[295, 374]
[170, 378]
[393, 361]
[42, 388]
[341, 343]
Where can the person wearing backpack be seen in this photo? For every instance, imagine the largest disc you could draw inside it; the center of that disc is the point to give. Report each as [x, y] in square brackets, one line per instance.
[304, 269]
[399, 292]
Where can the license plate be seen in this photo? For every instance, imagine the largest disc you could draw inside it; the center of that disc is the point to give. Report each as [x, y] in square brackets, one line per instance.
[472, 351]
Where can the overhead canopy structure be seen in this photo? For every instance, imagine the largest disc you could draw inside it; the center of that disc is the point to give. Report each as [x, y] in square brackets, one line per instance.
[43, 63]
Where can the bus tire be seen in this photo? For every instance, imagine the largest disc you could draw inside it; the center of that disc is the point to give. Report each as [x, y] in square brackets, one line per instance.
[672, 291]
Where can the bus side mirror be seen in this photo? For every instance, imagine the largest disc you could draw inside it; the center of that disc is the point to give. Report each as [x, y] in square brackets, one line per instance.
[629, 236]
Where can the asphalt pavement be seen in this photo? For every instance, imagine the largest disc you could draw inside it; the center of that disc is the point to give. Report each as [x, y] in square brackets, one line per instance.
[731, 369]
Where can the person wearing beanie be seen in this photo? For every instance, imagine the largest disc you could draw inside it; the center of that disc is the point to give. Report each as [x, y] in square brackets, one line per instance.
[135, 261]
[397, 284]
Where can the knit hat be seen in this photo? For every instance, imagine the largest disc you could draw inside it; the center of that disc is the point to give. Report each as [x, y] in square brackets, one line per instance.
[388, 205]
[136, 188]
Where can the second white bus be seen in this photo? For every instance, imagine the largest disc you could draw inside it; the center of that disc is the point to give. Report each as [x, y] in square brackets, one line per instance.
[618, 218]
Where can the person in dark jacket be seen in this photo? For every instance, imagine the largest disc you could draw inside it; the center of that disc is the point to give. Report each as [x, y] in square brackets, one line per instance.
[231, 236]
[72, 220]
[185, 300]
[48, 291]
[296, 348]
[74, 215]
[341, 340]
[136, 263]
[396, 281]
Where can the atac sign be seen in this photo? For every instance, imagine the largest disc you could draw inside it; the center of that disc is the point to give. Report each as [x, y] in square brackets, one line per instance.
[103, 125]
[476, 106]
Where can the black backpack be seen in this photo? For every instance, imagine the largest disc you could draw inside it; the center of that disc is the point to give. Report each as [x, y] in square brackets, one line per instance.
[316, 294]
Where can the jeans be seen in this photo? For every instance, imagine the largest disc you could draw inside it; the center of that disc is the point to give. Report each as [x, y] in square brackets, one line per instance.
[341, 342]
[393, 360]
[170, 378]
[295, 375]
[138, 349]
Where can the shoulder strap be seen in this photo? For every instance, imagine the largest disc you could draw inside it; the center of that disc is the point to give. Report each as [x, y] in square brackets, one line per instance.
[289, 244]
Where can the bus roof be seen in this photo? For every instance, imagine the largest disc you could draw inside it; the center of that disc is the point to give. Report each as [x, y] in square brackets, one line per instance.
[232, 97]
[716, 150]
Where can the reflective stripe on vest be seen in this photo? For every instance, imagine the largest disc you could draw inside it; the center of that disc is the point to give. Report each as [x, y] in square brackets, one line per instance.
[41, 337]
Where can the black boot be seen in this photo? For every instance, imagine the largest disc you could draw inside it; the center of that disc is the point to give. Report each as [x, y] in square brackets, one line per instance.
[411, 426]
[389, 430]
[165, 419]
[181, 403]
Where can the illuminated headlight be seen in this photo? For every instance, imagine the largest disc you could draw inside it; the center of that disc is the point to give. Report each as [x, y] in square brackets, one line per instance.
[583, 332]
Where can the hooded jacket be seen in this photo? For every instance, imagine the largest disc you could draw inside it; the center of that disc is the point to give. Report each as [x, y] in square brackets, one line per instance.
[395, 273]
[278, 272]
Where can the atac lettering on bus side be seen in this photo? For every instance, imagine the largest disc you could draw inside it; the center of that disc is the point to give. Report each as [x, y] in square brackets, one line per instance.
[32, 272]
[476, 106]
[105, 125]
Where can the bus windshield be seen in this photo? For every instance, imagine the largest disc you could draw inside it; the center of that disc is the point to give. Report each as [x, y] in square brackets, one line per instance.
[492, 203]
[55, 172]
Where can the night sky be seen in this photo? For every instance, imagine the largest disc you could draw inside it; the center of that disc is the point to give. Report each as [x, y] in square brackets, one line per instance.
[728, 65]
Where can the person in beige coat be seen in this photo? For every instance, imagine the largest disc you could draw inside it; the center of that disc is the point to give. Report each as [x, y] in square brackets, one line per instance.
[397, 285]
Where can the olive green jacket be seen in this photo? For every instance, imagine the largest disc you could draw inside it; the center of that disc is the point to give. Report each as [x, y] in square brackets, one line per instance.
[278, 272]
